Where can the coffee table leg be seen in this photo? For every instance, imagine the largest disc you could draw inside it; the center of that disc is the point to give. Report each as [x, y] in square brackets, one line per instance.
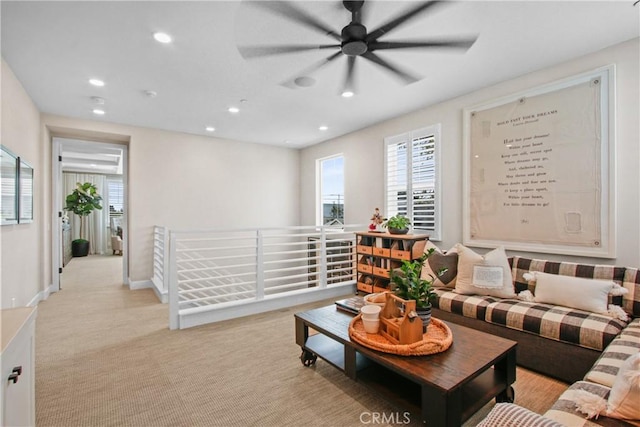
[438, 409]
[507, 365]
[350, 362]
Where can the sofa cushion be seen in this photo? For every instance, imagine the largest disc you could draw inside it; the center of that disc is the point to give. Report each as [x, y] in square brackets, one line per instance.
[590, 330]
[624, 399]
[565, 411]
[473, 306]
[588, 271]
[436, 262]
[631, 301]
[510, 414]
[575, 292]
[470, 267]
[606, 368]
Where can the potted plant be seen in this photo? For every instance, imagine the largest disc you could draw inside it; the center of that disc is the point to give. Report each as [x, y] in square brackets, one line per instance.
[397, 224]
[407, 284]
[82, 201]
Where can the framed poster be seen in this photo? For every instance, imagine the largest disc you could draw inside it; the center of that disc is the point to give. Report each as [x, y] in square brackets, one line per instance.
[9, 187]
[538, 169]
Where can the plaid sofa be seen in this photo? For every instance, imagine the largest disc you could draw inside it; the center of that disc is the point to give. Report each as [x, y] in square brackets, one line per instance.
[597, 382]
[607, 340]
[569, 327]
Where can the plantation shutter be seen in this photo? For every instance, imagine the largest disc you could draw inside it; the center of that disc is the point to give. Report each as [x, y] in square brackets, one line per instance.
[411, 179]
[115, 196]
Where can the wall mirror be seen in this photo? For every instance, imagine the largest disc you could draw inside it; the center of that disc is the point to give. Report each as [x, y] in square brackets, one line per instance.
[25, 200]
[9, 188]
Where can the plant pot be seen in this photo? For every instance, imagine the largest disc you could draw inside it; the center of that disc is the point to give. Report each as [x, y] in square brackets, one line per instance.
[424, 314]
[398, 230]
[80, 248]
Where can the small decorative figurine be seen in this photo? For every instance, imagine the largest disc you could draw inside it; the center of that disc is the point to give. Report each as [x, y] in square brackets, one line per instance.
[376, 220]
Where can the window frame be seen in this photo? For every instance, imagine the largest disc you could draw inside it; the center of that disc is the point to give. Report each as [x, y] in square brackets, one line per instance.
[319, 205]
[409, 138]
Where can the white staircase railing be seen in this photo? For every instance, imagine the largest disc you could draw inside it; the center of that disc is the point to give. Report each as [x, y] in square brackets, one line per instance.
[217, 275]
[160, 277]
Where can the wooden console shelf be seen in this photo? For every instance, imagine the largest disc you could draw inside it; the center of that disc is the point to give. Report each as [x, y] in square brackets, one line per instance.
[379, 253]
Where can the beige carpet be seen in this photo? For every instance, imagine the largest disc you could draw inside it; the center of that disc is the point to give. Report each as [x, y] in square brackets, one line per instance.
[105, 357]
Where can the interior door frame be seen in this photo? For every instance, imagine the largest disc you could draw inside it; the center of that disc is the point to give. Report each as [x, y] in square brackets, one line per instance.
[56, 195]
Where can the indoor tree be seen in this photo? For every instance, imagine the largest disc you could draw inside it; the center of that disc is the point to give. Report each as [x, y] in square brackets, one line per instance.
[82, 201]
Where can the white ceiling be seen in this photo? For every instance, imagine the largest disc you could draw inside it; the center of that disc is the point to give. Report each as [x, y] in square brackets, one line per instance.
[54, 47]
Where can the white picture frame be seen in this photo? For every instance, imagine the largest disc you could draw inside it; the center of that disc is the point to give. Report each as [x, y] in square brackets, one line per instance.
[560, 131]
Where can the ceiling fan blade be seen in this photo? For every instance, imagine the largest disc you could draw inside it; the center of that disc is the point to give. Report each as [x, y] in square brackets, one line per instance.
[258, 51]
[401, 74]
[349, 85]
[411, 13]
[412, 44]
[290, 82]
[295, 14]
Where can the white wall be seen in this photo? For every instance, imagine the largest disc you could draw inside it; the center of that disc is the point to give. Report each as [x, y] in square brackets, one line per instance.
[178, 180]
[194, 182]
[22, 245]
[363, 151]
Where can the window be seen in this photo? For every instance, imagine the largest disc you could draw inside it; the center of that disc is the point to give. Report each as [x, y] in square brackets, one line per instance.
[330, 191]
[412, 184]
[115, 196]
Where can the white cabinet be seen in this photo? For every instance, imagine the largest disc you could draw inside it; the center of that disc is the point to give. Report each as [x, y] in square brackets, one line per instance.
[18, 367]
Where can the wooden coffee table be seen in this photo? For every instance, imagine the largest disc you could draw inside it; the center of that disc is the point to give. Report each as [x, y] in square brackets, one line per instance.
[444, 389]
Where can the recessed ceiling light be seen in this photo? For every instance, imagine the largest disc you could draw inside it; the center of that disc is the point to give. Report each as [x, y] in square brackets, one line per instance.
[97, 100]
[151, 93]
[323, 128]
[96, 82]
[347, 94]
[476, 156]
[210, 129]
[98, 112]
[234, 110]
[162, 37]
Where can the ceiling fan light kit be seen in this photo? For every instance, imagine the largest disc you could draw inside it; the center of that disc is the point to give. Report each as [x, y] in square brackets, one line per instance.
[354, 40]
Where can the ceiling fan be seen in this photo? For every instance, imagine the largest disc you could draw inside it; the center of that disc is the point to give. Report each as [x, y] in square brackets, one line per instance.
[353, 41]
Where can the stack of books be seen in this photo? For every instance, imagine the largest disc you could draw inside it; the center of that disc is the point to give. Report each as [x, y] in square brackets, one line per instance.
[350, 305]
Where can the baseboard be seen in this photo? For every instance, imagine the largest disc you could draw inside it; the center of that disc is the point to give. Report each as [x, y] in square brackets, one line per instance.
[40, 296]
[224, 311]
[149, 284]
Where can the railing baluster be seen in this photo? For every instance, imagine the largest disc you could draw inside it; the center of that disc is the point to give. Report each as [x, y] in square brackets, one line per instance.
[259, 265]
[209, 272]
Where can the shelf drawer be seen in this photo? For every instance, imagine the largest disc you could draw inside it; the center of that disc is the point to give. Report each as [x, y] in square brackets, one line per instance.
[364, 287]
[362, 249]
[380, 272]
[364, 268]
[378, 289]
[384, 252]
[397, 254]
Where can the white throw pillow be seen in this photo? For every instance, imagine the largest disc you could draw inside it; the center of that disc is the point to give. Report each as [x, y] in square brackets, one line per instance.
[624, 399]
[575, 292]
[487, 274]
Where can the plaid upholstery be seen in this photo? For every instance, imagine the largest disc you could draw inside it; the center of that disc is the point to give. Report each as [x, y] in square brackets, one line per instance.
[631, 301]
[588, 271]
[590, 330]
[473, 306]
[564, 410]
[510, 415]
[606, 368]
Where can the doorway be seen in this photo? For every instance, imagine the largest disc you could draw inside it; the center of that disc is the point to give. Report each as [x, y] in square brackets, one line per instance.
[104, 164]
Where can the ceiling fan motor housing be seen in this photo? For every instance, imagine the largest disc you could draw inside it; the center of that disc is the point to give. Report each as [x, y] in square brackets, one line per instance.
[353, 36]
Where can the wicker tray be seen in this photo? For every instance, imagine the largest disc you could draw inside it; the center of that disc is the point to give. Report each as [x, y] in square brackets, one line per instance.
[437, 339]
